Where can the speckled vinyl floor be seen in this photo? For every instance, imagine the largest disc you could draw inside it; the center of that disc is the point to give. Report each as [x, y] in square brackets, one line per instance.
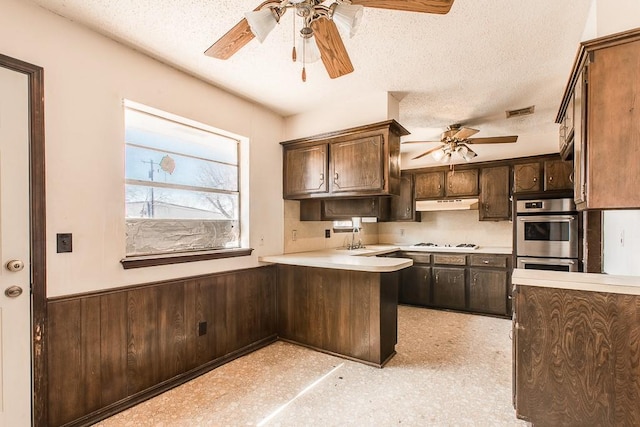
[451, 369]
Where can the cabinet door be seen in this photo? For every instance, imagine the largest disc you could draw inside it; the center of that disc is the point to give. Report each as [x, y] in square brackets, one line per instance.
[429, 185]
[558, 175]
[526, 177]
[613, 126]
[403, 207]
[305, 171]
[579, 137]
[356, 165]
[494, 194]
[415, 286]
[462, 183]
[488, 291]
[449, 287]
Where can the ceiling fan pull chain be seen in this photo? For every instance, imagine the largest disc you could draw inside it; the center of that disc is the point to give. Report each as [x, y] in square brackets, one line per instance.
[304, 62]
[294, 54]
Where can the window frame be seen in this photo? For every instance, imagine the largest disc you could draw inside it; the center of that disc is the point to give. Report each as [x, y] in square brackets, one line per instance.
[177, 257]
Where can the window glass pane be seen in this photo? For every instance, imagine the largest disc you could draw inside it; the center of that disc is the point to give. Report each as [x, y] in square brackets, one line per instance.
[181, 185]
[165, 203]
[162, 134]
[150, 165]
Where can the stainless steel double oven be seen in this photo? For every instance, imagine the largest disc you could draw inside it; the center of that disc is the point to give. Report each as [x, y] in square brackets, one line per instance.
[547, 235]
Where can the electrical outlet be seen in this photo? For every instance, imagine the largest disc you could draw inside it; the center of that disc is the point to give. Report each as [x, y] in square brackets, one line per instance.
[327, 234]
[64, 242]
[294, 235]
[202, 328]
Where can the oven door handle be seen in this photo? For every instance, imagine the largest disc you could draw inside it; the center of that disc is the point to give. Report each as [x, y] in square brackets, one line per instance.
[550, 218]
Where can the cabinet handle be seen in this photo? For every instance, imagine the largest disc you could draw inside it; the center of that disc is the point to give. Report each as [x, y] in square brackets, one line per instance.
[335, 177]
[321, 177]
[535, 179]
[408, 209]
[485, 261]
[486, 207]
[571, 177]
[437, 278]
[439, 186]
[550, 178]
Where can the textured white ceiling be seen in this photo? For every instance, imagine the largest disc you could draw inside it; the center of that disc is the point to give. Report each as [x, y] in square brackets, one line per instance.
[469, 66]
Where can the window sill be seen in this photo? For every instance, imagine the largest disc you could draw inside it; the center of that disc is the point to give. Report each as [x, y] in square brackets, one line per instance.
[177, 258]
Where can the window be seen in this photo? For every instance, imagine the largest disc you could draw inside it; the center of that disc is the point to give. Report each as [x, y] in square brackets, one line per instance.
[181, 185]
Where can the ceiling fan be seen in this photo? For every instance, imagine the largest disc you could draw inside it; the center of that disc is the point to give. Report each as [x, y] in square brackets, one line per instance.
[455, 140]
[319, 36]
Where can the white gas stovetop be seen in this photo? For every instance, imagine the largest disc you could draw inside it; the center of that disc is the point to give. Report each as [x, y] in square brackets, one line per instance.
[455, 247]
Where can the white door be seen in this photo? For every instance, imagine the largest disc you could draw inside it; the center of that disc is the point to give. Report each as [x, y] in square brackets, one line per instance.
[15, 310]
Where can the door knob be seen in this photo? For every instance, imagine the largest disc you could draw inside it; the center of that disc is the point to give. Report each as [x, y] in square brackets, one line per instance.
[15, 265]
[13, 291]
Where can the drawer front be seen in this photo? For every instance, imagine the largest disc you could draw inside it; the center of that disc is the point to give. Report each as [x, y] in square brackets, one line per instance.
[479, 260]
[450, 259]
[417, 257]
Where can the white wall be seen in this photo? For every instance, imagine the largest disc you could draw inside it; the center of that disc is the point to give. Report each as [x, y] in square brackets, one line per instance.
[86, 78]
[449, 227]
[621, 241]
[370, 108]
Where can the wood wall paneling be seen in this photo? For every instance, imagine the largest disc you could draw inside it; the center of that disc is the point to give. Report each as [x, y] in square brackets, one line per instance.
[110, 350]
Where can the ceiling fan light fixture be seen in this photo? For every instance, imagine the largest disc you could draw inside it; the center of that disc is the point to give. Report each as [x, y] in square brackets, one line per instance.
[262, 22]
[466, 152]
[309, 48]
[438, 155]
[347, 17]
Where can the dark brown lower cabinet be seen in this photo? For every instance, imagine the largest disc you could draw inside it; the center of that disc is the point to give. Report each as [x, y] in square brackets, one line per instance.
[353, 314]
[415, 286]
[479, 283]
[577, 357]
[449, 287]
[488, 291]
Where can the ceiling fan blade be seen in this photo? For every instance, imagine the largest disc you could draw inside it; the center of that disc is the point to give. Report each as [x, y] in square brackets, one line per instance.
[425, 6]
[465, 133]
[332, 51]
[417, 142]
[493, 140]
[427, 152]
[232, 41]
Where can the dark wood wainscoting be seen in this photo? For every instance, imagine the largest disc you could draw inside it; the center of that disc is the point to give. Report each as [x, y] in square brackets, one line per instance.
[111, 350]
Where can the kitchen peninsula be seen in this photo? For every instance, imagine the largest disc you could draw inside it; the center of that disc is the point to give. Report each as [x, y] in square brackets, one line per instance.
[342, 302]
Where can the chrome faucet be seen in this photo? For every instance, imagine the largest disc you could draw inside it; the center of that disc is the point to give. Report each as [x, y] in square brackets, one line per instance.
[357, 224]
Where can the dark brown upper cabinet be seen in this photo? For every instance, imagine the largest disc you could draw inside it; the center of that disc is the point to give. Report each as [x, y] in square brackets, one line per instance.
[305, 170]
[494, 199]
[526, 177]
[403, 207]
[606, 121]
[545, 174]
[462, 183]
[362, 161]
[452, 183]
[558, 175]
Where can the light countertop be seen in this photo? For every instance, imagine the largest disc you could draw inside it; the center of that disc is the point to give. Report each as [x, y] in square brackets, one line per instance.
[593, 282]
[342, 259]
[364, 259]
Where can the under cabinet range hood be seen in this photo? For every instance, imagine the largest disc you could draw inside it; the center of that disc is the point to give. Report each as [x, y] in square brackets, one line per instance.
[446, 205]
